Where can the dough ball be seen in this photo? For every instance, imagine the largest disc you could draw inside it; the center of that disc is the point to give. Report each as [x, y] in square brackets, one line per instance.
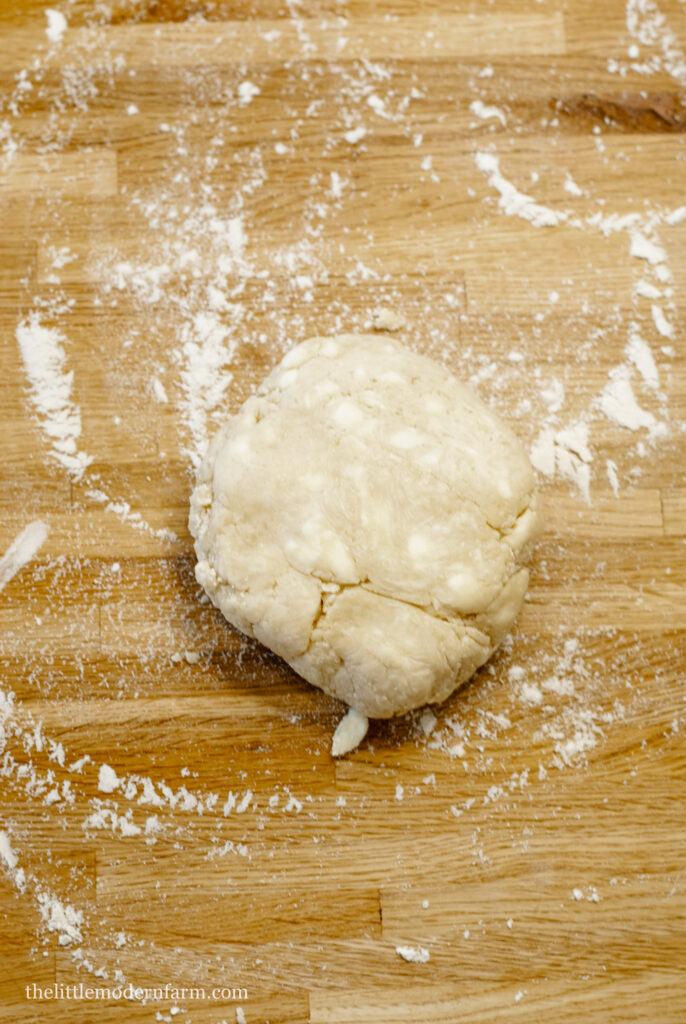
[367, 517]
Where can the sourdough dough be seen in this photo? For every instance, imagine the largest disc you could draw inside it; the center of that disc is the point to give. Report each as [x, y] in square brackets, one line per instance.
[367, 517]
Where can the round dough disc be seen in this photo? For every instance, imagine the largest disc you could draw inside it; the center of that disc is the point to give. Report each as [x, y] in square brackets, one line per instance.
[367, 517]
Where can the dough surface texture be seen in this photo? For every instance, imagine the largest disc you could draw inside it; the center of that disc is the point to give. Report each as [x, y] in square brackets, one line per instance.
[367, 517]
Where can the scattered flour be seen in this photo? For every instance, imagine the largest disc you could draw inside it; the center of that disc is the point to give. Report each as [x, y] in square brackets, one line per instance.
[662, 325]
[571, 186]
[336, 185]
[57, 25]
[531, 693]
[427, 721]
[247, 92]
[58, 915]
[207, 351]
[122, 509]
[640, 354]
[234, 804]
[107, 818]
[612, 476]
[384, 319]
[354, 135]
[618, 402]
[565, 451]
[487, 113]
[647, 290]
[22, 549]
[513, 202]
[677, 216]
[648, 25]
[42, 350]
[7, 854]
[413, 954]
[159, 390]
[61, 918]
[108, 780]
[645, 249]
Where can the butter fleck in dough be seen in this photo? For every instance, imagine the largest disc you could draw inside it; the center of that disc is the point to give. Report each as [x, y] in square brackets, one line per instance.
[368, 518]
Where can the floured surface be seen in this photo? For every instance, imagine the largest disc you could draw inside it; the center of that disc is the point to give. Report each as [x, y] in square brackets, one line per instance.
[184, 200]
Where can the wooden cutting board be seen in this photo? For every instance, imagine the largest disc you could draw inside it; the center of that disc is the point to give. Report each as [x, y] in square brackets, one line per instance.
[186, 190]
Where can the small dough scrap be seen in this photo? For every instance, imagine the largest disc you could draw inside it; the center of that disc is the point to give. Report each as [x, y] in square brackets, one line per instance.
[368, 518]
[385, 319]
[350, 732]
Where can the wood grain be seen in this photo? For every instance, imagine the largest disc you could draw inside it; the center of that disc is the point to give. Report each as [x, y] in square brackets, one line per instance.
[533, 842]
